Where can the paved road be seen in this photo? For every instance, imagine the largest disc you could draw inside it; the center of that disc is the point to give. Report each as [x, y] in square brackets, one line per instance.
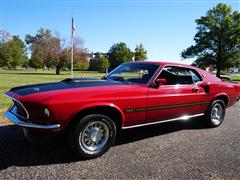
[167, 151]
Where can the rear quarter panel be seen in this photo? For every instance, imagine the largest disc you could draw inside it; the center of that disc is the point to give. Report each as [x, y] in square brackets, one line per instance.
[219, 87]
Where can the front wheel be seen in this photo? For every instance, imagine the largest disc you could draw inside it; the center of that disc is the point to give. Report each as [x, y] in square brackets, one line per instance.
[216, 113]
[92, 136]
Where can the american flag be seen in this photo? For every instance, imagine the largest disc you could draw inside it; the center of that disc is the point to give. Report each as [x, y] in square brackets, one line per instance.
[73, 27]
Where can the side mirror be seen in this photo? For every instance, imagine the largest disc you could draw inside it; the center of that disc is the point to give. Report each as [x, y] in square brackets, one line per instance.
[161, 81]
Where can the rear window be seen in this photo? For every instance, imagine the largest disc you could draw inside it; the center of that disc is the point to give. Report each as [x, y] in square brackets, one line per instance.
[195, 76]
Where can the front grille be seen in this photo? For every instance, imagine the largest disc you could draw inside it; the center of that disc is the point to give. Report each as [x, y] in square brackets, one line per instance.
[19, 110]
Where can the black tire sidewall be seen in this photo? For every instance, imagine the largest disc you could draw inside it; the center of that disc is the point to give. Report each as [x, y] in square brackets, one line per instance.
[76, 134]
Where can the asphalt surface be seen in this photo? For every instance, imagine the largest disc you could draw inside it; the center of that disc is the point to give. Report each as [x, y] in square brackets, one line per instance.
[173, 150]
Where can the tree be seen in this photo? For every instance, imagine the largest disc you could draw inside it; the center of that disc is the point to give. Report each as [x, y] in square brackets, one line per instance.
[118, 54]
[46, 50]
[80, 61]
[13, 52]
[19, 52]
[5, 55]
[40, 47]
[36, 61]
[102, 64]
[217, 41]
[140, 53]
[92, 65]
[93, 60]
[4, 36]
[80, 54]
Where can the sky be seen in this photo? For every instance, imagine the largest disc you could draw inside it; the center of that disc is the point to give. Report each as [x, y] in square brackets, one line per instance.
[165, 27]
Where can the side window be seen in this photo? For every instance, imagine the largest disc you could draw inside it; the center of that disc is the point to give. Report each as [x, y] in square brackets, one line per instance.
[195, 76]
[176, 75]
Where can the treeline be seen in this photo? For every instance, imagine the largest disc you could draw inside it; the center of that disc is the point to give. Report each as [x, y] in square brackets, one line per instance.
[50, 51]
[117, 54]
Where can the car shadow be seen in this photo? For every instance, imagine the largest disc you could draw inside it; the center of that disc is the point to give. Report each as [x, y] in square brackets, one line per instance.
[136, 134]
[16, 151]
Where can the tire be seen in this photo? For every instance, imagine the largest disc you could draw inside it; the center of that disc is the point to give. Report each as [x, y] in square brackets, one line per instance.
[92, 136]
[216, 113]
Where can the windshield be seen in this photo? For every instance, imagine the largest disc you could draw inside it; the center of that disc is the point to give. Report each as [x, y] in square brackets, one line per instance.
[133, 73]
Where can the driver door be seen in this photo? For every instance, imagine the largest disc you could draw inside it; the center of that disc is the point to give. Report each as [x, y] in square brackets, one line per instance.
[179, 97]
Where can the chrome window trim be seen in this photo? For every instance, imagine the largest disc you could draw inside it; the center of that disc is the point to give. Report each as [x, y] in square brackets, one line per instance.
[159, 66]
[156, 75]
[12, 98]
[179, 67]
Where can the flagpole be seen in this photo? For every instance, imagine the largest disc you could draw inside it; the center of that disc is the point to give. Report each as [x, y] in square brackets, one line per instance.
[72, 49]
[72, 58]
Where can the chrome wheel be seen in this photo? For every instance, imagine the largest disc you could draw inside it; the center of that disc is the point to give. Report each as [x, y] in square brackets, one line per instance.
[94, 137]
[217, 114]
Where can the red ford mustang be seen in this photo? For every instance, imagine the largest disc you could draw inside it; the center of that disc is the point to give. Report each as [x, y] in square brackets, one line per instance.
[92, 111]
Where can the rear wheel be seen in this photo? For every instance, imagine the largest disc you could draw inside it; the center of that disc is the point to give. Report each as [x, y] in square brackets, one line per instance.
[216, 113]
[92, 136]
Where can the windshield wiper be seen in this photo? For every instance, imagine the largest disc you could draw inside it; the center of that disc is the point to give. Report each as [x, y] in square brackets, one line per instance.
[119, 78]
[116, 78]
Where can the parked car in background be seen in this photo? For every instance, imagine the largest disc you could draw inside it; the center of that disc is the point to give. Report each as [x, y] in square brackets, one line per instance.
[93, 111]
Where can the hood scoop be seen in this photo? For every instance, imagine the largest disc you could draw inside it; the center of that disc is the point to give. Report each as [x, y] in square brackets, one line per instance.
[75, 80]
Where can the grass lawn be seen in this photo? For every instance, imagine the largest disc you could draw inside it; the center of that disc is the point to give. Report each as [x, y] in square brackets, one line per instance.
[235, 78]
[12, 78]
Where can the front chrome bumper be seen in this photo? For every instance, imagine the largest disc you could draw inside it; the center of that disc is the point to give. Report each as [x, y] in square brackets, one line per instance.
[21, 123]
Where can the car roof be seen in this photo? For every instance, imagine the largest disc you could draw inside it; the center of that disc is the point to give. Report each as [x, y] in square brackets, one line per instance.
[202, 72]
[163, 64]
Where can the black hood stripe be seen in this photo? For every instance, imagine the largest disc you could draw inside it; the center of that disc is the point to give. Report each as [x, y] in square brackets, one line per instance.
[65, 84]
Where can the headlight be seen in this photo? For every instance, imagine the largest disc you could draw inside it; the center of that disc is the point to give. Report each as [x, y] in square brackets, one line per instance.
[46, 112]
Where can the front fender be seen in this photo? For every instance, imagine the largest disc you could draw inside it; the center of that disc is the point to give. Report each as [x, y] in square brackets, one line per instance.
[98, 104]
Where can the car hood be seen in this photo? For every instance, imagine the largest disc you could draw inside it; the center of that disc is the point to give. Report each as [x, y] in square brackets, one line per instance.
[69, 83]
